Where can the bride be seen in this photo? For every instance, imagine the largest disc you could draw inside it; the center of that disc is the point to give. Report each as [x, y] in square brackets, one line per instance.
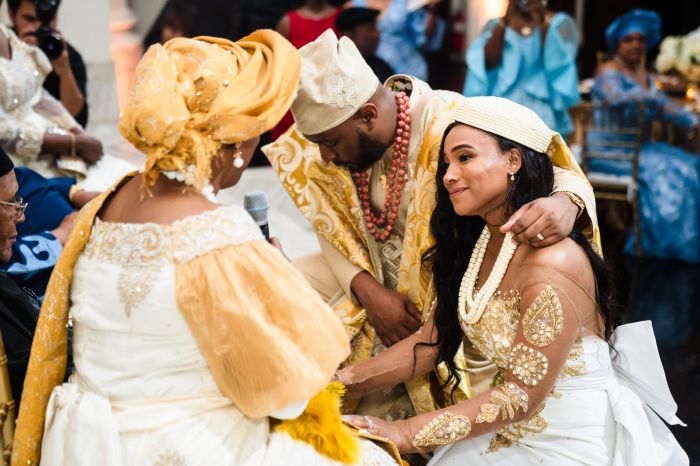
[569, 388]
[195, 342]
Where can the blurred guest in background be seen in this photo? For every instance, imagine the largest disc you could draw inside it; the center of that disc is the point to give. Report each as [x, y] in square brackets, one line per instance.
[50, 206]
[177, 20]
[300, 27]
[360, 25]
[68, 80]
[407, 29]
[34, 126]
[528, 56]
[305, 24]
[669, 177]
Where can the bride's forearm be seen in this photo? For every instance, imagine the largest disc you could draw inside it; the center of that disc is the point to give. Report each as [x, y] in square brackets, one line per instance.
[409, 358]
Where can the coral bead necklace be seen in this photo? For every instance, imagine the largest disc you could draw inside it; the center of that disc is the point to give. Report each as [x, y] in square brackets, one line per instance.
[381, 226]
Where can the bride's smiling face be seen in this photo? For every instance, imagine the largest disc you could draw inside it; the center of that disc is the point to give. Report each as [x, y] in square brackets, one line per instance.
[477, 171]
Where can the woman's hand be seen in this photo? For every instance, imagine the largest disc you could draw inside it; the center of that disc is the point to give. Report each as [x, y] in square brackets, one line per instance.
[396, 432]
[88, 148]
[63, 231]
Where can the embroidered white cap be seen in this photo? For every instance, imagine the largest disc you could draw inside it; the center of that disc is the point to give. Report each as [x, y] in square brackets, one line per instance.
[335, 82]
[505, 118]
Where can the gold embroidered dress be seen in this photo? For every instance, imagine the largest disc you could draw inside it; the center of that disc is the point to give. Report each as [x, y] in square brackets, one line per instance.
[594, 409]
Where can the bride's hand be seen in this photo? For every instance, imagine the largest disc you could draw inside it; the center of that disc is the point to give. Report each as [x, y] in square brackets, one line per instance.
[396, 432]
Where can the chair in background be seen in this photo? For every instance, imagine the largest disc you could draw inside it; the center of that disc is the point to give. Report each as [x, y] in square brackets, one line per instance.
[611, 140]
[7, 408]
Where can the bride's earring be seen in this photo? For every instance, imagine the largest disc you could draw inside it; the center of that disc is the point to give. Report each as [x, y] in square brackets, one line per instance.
[512, 177]
[238, 159]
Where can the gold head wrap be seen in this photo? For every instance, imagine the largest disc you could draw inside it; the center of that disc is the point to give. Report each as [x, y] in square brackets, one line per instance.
[192, 95]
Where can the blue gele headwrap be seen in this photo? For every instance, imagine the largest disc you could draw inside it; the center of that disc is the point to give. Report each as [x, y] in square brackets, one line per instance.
[646, 22]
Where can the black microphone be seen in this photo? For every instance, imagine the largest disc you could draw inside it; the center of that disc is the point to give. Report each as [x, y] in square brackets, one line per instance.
[257, 205]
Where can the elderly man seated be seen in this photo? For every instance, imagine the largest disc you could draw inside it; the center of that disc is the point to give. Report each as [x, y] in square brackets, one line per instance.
[19, 310]
[50, 211]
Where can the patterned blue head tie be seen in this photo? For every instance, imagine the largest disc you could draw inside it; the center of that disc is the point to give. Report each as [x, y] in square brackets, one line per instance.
[646, 22]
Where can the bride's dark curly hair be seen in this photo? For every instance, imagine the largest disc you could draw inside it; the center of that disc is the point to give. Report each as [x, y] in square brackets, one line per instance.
[455, 238]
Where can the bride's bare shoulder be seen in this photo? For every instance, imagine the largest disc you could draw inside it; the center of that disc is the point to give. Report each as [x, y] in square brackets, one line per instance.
[566, 256]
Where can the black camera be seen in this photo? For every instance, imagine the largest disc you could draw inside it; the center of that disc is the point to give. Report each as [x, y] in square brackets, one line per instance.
[49, 40]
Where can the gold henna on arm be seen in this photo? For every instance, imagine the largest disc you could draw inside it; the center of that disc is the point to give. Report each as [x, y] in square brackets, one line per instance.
[527, 364]
[443, 429]
[505, 400]
[543, 321]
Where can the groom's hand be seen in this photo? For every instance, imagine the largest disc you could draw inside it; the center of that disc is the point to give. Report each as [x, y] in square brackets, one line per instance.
[392, 315]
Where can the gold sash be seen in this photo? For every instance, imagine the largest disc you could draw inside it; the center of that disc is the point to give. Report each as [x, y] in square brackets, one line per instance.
[47, 362]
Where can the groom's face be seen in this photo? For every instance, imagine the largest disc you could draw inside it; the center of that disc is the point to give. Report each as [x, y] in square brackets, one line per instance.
[353, 144]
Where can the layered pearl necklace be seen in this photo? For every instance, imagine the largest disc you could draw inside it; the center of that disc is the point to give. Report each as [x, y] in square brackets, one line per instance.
[381, 226]
[470, 307]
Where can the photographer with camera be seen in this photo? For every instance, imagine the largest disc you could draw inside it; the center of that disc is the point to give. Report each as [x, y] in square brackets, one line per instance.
[35, 128]
[34, 21]
[528, 56]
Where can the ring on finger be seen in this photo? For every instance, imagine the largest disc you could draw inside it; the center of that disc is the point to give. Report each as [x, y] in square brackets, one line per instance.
[540, 237]
[369, 423]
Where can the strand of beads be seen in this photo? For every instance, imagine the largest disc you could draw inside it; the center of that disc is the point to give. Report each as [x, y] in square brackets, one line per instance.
[470, 307]
[382, 225]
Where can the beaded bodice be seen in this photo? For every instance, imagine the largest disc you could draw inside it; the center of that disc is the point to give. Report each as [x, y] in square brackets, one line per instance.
[493, 334]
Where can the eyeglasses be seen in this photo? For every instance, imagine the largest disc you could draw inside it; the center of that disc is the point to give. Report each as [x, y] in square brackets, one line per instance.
[18, 207]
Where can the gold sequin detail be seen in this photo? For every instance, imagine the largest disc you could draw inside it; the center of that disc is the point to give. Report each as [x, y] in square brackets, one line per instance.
[444, 429]
[505, 400]
[544, 319]
[575, 364]
[493, 333]
[151, 244]
[487, 413]
[528, 365]
[143, 250]
[505, 436]
[134, 285]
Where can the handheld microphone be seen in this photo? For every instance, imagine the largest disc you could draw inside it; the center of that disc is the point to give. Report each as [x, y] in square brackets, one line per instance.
[257, 205]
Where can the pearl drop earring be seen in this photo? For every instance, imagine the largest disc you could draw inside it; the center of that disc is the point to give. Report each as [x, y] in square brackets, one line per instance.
[512, 177]
[238, 160]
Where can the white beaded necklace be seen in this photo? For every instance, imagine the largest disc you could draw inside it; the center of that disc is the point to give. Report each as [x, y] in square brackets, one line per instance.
[470, 307]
